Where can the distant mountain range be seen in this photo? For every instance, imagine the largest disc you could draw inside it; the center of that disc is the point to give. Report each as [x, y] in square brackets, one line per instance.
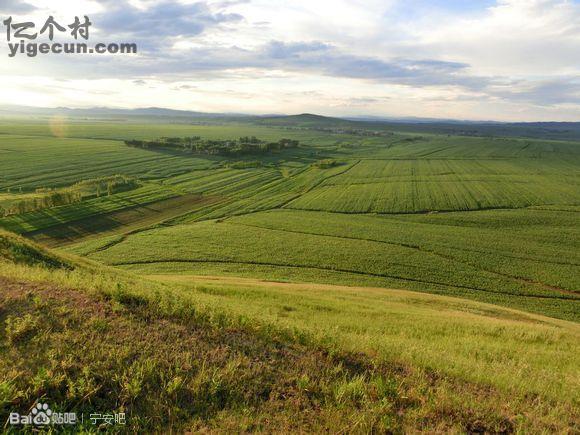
[107, 111]
[539, 130]
[543, 130]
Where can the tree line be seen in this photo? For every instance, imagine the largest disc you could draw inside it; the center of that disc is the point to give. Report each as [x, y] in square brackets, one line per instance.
[223, 147]
[47, 198]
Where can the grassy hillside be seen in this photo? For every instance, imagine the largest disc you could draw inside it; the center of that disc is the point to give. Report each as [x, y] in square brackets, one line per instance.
[254, 292]
[193, 354]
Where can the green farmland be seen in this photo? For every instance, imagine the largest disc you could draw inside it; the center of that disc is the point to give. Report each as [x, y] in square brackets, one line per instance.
[419, 185]
[431, 278]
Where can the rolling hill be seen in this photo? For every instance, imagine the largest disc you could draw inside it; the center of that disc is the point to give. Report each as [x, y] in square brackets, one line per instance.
[361, 281]
[184, 353]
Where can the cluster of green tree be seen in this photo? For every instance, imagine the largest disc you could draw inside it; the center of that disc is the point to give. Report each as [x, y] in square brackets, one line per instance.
[48, 198]
[325, 164]
[413, 139]
[97, 187]
[222, 147]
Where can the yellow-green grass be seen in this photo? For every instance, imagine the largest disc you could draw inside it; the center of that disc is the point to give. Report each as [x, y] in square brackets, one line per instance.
[424, 362]
[516, 351]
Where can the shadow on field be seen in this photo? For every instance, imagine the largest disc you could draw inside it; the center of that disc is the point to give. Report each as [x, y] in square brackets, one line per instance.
[129, 218]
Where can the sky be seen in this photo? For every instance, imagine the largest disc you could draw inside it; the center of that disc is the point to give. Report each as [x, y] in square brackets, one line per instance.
[504, 60]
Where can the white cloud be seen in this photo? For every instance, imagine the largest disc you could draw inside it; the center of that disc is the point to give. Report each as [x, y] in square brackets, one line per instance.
[514, 60]
[516, 37]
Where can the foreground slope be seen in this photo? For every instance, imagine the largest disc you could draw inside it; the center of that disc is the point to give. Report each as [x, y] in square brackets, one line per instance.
[202, 355]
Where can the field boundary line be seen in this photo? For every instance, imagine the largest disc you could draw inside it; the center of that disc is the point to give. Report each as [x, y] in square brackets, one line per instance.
[314, 186]
[426, 251]
[423, 212]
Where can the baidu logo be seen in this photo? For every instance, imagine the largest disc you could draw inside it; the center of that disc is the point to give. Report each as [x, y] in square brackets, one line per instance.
[42, 415]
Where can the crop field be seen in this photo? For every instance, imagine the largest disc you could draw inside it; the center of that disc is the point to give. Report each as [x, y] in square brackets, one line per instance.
[30, 162]
[438, 256]
[421, 280]
[490, 219]
[42, 219]
[478, 148]
[407, 186]
[128, 219]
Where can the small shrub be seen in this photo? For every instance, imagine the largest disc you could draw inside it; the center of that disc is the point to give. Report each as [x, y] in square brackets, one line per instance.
[20, 329]
[303, 383]
[99, 325]
[8, 394]
[384, 388]
[135, 380]
[127, 299]
[351, 391]
[325, 164]
[174, 385]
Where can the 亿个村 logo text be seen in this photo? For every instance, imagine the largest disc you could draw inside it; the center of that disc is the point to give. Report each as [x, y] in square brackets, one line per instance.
[22, 39]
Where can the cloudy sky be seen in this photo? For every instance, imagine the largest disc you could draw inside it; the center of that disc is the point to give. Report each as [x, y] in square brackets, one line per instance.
[477, 59]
